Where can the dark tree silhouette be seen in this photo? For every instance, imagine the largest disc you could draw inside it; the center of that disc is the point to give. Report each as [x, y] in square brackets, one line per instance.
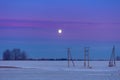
[7, 55]
[15, 54]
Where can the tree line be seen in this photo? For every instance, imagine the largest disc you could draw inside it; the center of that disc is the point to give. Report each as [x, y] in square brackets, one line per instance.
[15, 54]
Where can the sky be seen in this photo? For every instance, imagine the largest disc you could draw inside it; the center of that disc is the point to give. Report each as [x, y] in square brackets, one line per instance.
[32, 26]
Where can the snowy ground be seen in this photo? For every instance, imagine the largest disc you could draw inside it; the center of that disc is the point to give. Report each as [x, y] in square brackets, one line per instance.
[58, 70]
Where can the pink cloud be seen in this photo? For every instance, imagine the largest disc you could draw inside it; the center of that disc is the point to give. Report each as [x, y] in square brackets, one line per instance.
[71, 30]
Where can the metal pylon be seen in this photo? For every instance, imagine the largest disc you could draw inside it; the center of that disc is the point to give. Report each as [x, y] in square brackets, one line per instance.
[112, 60]
[70, 58]
[86, 57]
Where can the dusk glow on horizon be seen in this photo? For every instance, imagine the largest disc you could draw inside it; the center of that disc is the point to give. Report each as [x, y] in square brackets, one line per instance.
[32, 25]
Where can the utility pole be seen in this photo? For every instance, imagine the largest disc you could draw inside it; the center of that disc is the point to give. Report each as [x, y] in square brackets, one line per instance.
[70, 58]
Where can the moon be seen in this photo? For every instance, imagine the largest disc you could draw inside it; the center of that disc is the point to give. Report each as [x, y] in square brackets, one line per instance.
[59, 31]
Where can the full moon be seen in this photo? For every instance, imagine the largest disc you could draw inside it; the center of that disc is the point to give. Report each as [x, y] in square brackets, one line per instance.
[59, 31]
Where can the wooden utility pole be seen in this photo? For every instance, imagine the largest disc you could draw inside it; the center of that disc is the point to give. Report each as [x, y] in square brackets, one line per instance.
[112, 61]
[70, 58]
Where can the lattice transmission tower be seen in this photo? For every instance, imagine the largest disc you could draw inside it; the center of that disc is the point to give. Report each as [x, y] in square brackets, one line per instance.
[112, 61]
[70, 59]
[87, 57]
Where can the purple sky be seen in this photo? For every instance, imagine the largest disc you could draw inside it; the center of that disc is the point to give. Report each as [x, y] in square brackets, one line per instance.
[32, 26]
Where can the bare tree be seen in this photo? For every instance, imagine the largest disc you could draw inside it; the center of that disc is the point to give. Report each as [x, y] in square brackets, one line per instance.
[6, 55]
[15, 54]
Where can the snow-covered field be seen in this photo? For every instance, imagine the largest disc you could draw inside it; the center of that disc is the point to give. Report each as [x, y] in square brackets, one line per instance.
[58, 70]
